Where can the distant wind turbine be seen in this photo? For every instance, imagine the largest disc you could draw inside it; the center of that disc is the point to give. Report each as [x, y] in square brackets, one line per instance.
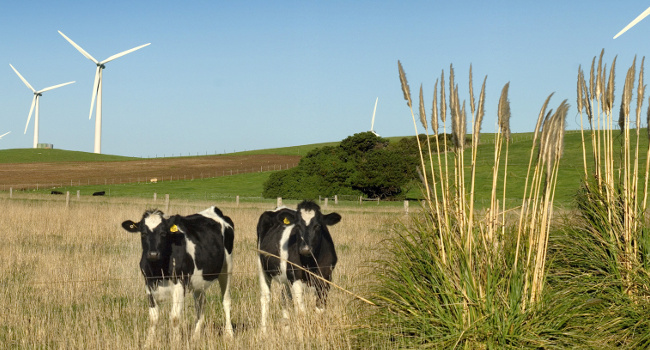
[638, 19]
[35, 103]
[372, 125]
[97, 88]
[5, 134]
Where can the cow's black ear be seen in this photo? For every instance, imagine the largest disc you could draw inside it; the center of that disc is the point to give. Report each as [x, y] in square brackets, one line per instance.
[331, 219]
[130, 226]
[286, 217]
[174, 225]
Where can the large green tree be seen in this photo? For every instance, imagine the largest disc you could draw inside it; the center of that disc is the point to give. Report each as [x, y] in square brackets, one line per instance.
[362, 164]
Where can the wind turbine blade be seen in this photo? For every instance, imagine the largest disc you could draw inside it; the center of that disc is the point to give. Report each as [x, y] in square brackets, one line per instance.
[372, 126]
[5, 134]
[83, 52]
[123, 53]
[638, 19]
[95, 88]
[54, 87]
[31, 109]
[21, 78]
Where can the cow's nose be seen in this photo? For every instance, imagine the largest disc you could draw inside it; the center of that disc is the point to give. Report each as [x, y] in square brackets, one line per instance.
[153, 256]
[305, 250]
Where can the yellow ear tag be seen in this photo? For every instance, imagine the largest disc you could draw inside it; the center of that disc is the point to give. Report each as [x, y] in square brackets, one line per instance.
[174, 228]
[286, 221]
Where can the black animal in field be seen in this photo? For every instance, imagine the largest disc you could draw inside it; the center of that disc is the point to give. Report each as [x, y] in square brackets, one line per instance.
[300, 237]
[185, 253]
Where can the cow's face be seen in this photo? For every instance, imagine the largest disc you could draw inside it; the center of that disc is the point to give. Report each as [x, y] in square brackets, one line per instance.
[155, 232]
[312, 224]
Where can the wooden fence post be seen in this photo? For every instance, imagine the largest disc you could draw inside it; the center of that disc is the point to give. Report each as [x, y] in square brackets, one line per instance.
[67, 199]
[336, 199]
[278, 202]
[154, 196]
[237, 200]
[406, 207]
[166, 203]
[11, 192]
[325, 202]
[78, 194]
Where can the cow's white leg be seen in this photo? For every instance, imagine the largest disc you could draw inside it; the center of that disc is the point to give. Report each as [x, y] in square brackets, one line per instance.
[199, 302]
[286, 304]
[265, 294]
[224, 283]
[297, 289]
[178, 296]
[153, 321]
[286, 300]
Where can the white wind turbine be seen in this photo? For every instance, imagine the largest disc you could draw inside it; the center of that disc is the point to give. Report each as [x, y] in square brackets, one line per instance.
[97, 88]
[35, 103]
[638, 19]
[372, 125]
[5, 134]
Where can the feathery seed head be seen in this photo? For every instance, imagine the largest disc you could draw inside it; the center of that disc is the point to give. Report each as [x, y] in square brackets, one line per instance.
[434, 109]
[504, 112]
[405, 85]
[423, 116]
[443, 102]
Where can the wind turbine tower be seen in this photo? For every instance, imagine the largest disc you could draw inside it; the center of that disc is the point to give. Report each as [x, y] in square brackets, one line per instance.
[35, 103]
[97, 88]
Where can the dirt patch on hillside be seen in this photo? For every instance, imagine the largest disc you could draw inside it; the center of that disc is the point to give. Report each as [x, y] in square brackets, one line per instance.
[44, 175]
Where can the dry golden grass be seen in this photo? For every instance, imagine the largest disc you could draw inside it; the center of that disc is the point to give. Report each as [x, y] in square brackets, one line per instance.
[70, 279]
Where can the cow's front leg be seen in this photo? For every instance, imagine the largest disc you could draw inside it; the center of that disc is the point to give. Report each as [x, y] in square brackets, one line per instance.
[224, 283]
[287, 298]
[322, 288]
[265, 295]
[199, 302]
[153, 320]
[297, 289]
[178, 296]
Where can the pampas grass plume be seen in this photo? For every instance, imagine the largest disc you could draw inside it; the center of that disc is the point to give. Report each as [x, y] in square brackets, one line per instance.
[504, 112]
[405, 85]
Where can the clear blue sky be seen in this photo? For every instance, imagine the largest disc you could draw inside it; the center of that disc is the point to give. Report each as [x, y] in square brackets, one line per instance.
[242, 75]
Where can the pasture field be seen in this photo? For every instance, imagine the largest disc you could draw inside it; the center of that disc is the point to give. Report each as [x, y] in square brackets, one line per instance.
[70, 278]
[126, 178]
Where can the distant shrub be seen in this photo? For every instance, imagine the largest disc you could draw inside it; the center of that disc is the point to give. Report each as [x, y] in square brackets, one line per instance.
[362, 164]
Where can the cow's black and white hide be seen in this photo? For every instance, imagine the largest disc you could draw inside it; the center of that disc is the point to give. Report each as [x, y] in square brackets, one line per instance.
[301, 237]
[184, 253]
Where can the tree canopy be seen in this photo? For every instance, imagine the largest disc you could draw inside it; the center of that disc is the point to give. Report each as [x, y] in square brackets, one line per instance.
[362, 164]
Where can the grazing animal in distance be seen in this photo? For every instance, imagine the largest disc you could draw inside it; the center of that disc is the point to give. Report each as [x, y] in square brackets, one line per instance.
[56, 192]
[300, 237]
[99, 193]
[184, 253]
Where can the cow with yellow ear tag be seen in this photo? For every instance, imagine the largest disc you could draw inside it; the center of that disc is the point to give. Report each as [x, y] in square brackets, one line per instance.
[181, 254]
[288, 238]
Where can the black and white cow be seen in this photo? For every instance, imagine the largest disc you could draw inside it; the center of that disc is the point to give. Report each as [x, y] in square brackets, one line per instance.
[181, 253]
[302, 238]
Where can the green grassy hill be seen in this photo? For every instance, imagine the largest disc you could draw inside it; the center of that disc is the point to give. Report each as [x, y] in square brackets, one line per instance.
[250, 185]
[38, 155]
